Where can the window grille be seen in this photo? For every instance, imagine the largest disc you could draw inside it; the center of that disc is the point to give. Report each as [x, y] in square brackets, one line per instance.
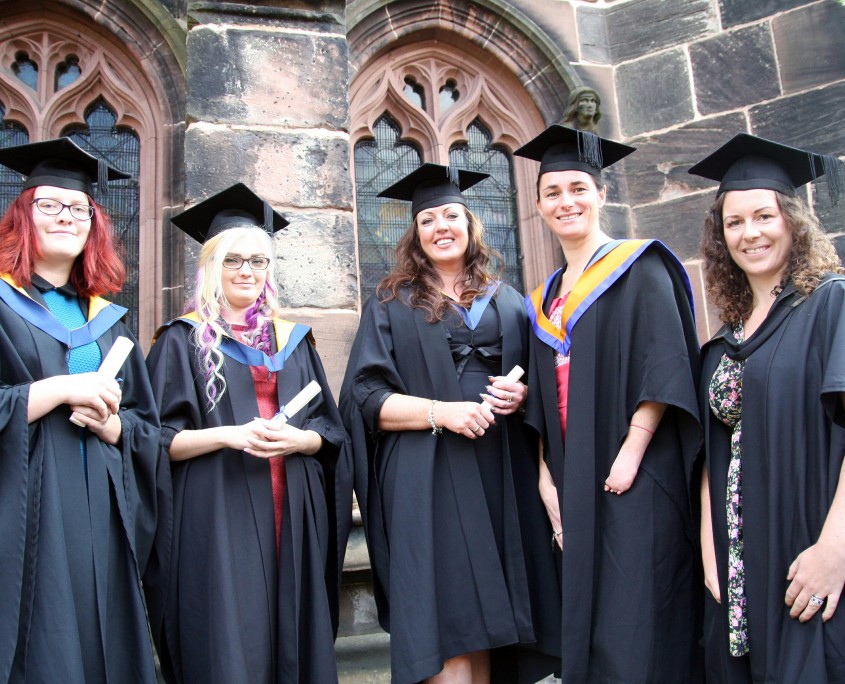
[493, 200]
[120, 147]
[11, 135]
[380, 162]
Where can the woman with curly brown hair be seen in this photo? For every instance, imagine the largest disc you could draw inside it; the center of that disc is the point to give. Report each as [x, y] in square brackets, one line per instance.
[772, 394]
[445, 481]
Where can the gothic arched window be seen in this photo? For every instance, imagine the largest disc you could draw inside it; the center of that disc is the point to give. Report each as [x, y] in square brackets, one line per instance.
[493, 200]
[380, 162]
[120, 147]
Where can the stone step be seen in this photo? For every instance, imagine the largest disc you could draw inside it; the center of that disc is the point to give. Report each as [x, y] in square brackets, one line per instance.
[363, 659]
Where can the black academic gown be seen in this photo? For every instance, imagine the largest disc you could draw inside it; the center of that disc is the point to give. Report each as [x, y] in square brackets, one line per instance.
[629, 571]
[793, 443]
[397, 350]
[225, 608]
[71, 602]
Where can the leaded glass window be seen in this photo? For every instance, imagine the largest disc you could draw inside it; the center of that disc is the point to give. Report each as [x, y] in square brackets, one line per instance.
[67, 72]
[26, 70]
[120, 147]
[380, 162]
[493, 200]
[414, 92]
[11, 183]
[448, 95]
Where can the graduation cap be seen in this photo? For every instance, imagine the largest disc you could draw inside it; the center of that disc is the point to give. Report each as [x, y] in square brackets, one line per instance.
[61, 163]
[432, 185]
[747, 162]
[235, 207]
[560, 148]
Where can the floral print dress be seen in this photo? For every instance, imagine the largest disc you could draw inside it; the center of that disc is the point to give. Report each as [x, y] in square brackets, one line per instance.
[726, 403]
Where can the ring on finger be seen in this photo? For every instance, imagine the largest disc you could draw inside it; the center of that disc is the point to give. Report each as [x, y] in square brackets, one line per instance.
[816, 600]
[477, 429]
[509, 400]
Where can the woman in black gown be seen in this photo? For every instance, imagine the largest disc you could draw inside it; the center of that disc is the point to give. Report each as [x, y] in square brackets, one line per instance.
[772, 393]
[446, 483]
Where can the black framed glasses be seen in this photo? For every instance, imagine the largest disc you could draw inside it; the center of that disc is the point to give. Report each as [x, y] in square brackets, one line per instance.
[233, 263]
[51, 207]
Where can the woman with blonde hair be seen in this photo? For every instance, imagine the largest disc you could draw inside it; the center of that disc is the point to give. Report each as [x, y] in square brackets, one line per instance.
[250, 562]
[772, 394]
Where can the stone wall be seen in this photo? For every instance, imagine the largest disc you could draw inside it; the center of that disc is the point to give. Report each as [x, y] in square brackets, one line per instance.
[267, 105]
[689, 74]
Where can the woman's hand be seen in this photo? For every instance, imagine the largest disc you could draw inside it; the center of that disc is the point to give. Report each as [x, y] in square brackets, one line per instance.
[463, 417]
[96, 391]
[548, 493]
[818, 571]
[108, 429]
[624, 470]
[267, 440]
[505, 397]
[708, 545]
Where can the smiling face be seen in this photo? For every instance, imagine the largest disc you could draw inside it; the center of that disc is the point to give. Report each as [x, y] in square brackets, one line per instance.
[61, 238]
[242, 286]
[444, 235]
[756, 234]
[569, 202]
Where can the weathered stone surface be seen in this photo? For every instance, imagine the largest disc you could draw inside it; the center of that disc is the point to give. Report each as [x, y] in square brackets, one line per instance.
[654, 93]
[600, 79]
[706, 315]
[313, 15]
[557, 19]
[333, 332]
[809, 120]
[273, 78]
[839, 243]
[285, 169]
[809, 45]
[316, 255]
[641, 27]
[657, 171]
[677, 223]
[734, 69]
[616, 220]
[832, 216]
[743, 11]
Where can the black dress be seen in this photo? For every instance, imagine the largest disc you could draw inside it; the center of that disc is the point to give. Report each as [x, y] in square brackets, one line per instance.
[452, 523]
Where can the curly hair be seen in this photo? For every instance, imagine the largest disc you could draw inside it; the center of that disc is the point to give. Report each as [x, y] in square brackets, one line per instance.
[209, 300]
[812, 256]
[414, 271]
[98, 270]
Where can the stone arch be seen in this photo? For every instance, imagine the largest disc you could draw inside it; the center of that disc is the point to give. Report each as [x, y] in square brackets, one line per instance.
[489, 91]
[123, 53]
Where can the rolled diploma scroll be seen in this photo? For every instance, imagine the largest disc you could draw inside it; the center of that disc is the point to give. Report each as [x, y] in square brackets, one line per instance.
[515, 374]
[112, 363]
[300, 401]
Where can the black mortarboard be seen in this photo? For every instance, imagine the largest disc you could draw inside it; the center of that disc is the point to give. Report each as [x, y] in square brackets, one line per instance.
[432, 185]
[61, 163]
[234, 207]
[560, 148]
[747, 162]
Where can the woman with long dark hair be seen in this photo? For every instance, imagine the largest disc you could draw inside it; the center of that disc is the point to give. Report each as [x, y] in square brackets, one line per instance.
[78, 470]
[250, 563]
[444, 472]
[772, 392]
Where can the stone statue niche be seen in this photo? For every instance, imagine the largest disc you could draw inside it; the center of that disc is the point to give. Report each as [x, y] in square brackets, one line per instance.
[583, 110]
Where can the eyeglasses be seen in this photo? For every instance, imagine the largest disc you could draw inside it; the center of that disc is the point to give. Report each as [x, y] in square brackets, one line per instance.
[233, 263]
[51, 207]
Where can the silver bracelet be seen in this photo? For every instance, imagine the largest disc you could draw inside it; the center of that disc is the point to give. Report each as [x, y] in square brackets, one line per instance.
[434, 429]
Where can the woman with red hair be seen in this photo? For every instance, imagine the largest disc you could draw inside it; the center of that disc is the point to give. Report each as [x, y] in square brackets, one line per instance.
[77, 476]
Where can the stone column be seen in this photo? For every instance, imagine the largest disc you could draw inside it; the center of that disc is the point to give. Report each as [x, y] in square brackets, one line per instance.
[267, 106]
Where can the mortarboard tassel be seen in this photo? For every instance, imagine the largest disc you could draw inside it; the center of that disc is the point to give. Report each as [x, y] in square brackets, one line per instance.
[589, 149]
[268, 218]
[454, 176]
[102, 176]
[834, 171]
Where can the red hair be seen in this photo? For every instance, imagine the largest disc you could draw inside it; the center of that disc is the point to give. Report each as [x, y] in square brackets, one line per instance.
[98, 270]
